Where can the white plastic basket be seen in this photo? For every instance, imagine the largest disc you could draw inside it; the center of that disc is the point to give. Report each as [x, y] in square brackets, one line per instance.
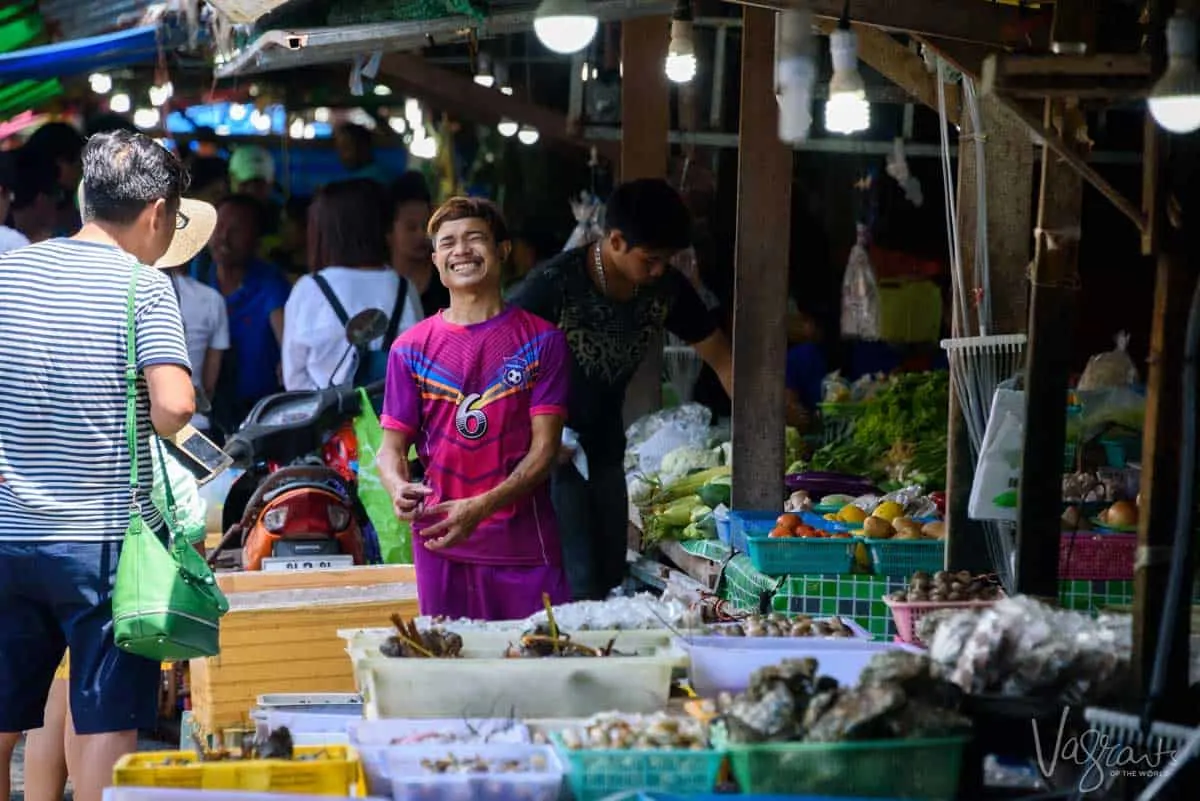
[411, 782]
[491, 644]
[164, 794]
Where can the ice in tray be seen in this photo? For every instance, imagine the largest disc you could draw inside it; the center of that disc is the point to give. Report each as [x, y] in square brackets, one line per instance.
[475, 773]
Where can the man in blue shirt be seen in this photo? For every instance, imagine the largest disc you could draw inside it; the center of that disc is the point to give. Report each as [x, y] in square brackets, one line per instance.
[255, 292]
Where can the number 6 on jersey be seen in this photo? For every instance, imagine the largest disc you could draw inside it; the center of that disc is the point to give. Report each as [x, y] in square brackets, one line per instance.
[471, 423]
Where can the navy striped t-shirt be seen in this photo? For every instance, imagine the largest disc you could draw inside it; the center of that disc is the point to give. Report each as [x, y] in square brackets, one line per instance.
[63, 454]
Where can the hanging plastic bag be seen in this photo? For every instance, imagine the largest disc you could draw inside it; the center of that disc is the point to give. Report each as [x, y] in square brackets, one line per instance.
[190, 509]
[1110, 370]
[860, 293]
[998, 473]
[586, 209]
[395, 535]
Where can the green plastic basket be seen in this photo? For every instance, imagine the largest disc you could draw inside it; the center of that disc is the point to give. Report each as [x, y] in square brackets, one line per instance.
[795, 556]
[598, 774]
[921, 770]
[902, 558]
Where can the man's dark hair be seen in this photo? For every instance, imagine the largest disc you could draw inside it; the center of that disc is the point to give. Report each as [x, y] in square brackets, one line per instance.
[249, 205]
[56, 141]
[208, 170]
[36, 174]
[410, 187]
[123, 171]
[358, 133]
[349, 224]
[649, 214]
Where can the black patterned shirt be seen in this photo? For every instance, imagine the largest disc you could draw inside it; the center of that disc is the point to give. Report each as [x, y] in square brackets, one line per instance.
[608, 338]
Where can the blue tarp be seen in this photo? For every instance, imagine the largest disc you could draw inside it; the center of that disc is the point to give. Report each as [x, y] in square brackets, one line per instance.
[81, 56]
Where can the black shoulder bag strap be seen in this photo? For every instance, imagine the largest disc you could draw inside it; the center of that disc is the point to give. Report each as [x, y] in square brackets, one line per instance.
[393, 326]
[327, 291]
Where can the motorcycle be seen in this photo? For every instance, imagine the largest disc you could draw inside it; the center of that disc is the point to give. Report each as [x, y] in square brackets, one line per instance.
[289, 510]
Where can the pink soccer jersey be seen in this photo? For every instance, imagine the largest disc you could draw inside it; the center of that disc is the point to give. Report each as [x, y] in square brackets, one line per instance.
[467, 396]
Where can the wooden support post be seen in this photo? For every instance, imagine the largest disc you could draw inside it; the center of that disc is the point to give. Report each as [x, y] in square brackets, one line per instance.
[760, 276]
[645, 124]
[1008, 165]
[1047, 364]
[1164, 413]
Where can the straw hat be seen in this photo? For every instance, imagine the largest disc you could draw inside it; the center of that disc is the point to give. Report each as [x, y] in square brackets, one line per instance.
[194, 223]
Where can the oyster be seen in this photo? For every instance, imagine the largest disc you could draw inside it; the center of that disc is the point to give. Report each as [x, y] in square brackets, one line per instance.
[859, 714]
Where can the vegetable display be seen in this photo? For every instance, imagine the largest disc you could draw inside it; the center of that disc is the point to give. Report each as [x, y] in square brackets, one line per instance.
[899, 435]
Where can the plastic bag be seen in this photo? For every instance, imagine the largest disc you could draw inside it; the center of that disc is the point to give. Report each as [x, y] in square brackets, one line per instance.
[395, 535]
[586, 209]
[652, 437]
[860, 293]
[835, 389]
[1110, 370]
[190, 509]
[993, 492]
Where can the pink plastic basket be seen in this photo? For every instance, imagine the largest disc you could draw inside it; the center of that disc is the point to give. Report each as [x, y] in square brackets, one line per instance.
[906, 614]
[1088, 556]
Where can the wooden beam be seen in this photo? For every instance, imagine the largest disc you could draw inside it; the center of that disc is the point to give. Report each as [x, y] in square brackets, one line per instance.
[457, 94]
[1095, 76]
[899, 64]
[969, 21]
[760, 281]
[645, 123]
[1047, 361]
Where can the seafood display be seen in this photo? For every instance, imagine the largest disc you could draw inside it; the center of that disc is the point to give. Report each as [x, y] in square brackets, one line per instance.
[276, 745]
[613, 731]
[1022, 647]
[897, 696]
[477, 764]
[545, 640]
[410, 642]
[946, 586]
[780, 625]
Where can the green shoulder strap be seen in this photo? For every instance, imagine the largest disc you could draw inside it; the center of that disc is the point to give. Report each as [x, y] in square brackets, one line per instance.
[131, 372]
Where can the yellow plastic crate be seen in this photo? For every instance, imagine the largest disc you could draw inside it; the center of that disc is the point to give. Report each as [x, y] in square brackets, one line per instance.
[338, 773]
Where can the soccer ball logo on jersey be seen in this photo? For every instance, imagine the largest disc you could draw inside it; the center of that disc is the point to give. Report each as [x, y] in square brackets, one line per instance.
[515, 372]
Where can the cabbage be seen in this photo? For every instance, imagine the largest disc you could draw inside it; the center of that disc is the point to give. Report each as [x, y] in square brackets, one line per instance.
[684, 460]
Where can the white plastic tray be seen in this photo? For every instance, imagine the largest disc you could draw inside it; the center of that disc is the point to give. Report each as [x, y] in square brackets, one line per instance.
[163, 794]
[364, 643]
[724, 664]
[519, 688]
[410, 782]
[374, 739]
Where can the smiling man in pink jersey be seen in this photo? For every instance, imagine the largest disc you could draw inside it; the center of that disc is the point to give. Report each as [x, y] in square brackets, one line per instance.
[481, 388]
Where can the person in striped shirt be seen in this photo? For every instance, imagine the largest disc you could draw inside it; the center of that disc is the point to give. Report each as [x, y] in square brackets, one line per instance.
[64, 463]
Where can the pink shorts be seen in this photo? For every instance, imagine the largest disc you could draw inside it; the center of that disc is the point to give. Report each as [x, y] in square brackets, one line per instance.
[485, 592]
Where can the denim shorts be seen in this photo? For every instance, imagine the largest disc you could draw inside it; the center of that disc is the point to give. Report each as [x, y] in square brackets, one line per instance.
[55, 595]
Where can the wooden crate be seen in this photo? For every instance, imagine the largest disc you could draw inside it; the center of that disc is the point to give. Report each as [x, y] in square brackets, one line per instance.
[291, 648]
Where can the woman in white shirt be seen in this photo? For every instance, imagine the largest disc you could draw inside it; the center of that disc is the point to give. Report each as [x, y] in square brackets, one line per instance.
[349, 253]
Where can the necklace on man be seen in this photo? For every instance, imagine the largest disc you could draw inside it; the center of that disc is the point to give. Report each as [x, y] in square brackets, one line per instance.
[602, 276]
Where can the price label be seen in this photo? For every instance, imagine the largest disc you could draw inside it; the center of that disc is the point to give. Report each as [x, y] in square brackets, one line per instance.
[280, 563]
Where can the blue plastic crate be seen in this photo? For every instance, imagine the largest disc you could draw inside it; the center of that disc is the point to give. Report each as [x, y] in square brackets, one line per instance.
[743, 525]
[595, 775]
[802, 555]
[902, 558]
[723, 526]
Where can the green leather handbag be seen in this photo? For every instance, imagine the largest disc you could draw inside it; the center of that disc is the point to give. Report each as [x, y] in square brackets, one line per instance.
[166, 603]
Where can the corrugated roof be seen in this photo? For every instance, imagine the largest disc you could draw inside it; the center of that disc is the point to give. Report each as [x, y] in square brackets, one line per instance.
[79, 19]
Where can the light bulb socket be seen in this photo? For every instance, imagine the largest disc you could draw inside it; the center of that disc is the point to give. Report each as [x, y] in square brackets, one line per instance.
[843, 49]
[682, 12]
[682, 43]
[1181, 37]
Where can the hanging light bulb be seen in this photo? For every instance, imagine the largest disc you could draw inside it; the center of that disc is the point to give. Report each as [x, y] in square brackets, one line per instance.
[412, 112]
[397, 124]
[507, 128]
[795, 73]
[681, 52]
[501, 70]
[237, 112]
[1175, 100]
[100, 82]
[310, 131]
[119, 103]
[528, 135]
[382, 90]
[260, 121]
[483, 71]
[296, 129]
[422, 146]
[565, 26]
[847, 110]
[145, 117]
[321, 114]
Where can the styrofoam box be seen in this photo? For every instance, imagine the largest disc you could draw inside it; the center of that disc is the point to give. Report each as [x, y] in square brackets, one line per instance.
[362, 643]
[724, 664]
[373, 739]
[164, 794]
[411, 782]
[541, 688]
